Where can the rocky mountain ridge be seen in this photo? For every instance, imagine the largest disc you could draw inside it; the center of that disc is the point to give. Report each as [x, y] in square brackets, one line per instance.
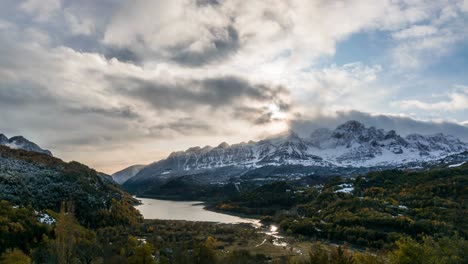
[350, 145]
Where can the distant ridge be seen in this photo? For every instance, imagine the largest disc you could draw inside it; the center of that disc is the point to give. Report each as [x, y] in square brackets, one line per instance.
[122, 176]
[19, 142]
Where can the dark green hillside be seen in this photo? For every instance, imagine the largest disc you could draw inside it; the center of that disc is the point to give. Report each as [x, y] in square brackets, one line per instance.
[20, 228]
[44, 182]
[187, 188]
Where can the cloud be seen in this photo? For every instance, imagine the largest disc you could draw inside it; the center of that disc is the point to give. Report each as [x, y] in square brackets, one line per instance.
[41, 9]
[349, 86]
[263, 115]
[417, 31]
[464, 5]
[420, 45]
[196, 33]
[182, 31]
[115, 82]
[94, 106]
[114, 112]
[79, 26]
[183, 126]
[457, 100]
[403, 125]
[219, 49]
[188, 94]
[22, 94]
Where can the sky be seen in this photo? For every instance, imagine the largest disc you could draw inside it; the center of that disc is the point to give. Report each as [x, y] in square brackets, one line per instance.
[113, 83]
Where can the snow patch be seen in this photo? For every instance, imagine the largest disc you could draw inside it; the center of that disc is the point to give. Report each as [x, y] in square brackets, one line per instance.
[345, 188]
[46, 219]
[456, 165]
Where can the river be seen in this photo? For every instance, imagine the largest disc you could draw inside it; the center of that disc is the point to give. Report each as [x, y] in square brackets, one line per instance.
[189, 211]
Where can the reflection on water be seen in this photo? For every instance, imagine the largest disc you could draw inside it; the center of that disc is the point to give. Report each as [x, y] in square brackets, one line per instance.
[189, 211]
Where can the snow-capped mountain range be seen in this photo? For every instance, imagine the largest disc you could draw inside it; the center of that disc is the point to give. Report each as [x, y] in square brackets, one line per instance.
[349, 145]
[19, 142]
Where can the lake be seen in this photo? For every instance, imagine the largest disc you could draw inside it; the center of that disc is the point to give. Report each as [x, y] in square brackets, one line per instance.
[189, 211]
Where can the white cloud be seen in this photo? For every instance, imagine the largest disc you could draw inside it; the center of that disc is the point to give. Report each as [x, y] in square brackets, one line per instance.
[79, 26]
[415, 32]
[420, 45]
[351, 86]
[456, 100]
[41, 9]
[162, 29]
[464, 5]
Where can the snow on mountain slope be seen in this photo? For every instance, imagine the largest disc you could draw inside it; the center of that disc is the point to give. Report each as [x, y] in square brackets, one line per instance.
[20, 142]
[350, 144]
[122, 176]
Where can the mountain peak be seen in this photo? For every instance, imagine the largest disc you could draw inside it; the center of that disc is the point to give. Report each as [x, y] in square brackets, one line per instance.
[291, 135]
[18, 138]
[351, 126]
[20, 142]
[223, 145]
[206, 148]
[175, 154]
[3, 139]
[193, 149]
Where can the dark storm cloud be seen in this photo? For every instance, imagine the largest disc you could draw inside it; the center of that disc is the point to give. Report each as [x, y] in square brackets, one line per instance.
[207, 2]
[256, 116]
[24, 93]
[189, 94]
[182, 126]
[124, 55]
[225, 89]
[81, 141]
[220, 49]
[402, 125]
[115, 112]
[93, 44]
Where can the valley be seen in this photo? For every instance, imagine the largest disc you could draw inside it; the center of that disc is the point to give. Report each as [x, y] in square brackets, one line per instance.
[287, 213]
[233, 132]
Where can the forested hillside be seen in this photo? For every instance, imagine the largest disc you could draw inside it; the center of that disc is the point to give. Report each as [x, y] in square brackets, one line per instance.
[44, 182]
[374, 210]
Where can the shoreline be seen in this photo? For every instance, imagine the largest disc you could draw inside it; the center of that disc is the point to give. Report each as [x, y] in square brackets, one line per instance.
[207, 205]
[204, 206]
